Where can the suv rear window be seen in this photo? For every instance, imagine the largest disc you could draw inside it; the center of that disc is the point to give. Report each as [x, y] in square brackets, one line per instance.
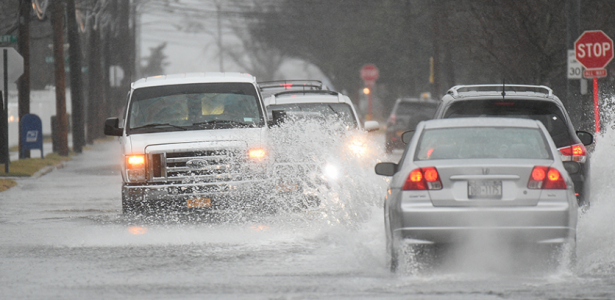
[326, 111]
[544, 111]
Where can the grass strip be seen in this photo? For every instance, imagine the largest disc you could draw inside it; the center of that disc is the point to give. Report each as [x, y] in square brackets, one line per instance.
[29, 166]
[6, 184]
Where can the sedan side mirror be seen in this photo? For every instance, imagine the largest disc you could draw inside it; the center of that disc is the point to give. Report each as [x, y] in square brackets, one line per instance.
[585, 137]
[386, 169]
[112, 127]
[407, 136]
[371, 126]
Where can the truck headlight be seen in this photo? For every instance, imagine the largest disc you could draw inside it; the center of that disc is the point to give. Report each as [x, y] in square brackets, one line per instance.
[257, 154]
[135, 167]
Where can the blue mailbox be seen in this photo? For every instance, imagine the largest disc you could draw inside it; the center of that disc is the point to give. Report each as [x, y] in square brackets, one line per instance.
[31, 133]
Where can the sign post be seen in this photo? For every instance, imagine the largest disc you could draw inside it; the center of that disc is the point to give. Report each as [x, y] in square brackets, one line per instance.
[369, 74]
[594, 50]
[11, 68]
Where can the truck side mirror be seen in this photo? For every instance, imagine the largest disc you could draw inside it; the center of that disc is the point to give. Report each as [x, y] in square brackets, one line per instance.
[112, 127]
[278, 116]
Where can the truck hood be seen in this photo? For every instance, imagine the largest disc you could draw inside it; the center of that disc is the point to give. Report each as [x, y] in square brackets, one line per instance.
[136, 143]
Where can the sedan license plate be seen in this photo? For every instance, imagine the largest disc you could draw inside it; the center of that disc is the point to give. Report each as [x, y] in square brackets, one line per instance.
[198, 202]
[485, 189]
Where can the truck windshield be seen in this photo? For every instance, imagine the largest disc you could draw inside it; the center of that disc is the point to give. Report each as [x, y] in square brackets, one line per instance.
[194, 107]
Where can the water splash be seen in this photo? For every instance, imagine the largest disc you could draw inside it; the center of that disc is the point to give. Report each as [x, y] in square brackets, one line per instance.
[324, 161]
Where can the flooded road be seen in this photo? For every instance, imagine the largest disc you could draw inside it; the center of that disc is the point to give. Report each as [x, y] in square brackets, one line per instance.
[63, 237]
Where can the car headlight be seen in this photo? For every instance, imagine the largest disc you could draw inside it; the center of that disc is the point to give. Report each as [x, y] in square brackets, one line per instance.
[257, 154]
[331, 172]
[357, 147]
[135, 167]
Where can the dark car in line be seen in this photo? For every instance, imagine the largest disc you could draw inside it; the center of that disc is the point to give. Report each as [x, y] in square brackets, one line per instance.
[405, 115]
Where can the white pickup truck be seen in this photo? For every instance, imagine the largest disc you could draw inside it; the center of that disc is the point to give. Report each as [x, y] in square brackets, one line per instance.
[193, 142]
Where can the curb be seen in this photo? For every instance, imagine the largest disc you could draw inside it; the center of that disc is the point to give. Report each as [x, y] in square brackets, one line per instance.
[46, 170]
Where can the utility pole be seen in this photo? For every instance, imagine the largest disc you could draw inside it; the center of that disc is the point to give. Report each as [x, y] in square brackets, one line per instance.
[574, 99]
[76, 84]
[436, 20]
[127, 53]
[220, 48]
[136, 44]
[95, 90]
[23, 84]
[57, 18]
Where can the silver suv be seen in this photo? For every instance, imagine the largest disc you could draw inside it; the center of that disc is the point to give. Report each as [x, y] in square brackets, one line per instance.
[299, 172]
[535, 102]
[192, 142]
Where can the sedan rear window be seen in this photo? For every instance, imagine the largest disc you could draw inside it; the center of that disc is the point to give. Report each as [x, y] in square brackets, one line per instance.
[544, 111]
[482, 142]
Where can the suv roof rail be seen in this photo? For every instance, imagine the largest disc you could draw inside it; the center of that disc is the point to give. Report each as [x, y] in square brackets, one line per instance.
[305, 92]
[491, 87]
[297, 84]
[333, 93]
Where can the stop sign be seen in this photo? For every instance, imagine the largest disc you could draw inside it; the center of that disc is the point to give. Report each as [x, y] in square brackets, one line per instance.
[369, 73]
[594, 49]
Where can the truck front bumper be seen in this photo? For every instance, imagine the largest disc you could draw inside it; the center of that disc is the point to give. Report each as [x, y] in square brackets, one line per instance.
[217, 195]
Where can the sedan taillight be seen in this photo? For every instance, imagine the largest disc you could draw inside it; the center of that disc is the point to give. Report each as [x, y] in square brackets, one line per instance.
[546, 178]
[575, 152]
[423, 179]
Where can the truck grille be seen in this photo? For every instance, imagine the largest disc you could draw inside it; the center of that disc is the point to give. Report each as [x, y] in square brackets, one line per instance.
[214, 165]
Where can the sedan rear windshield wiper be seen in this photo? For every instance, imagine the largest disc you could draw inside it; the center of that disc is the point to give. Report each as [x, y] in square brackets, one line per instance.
[213, 122]
[158, 125]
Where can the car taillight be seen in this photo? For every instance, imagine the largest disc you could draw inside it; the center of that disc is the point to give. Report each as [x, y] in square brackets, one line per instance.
[423, 179]
[287, 85]
[546, 178]
[575, 152]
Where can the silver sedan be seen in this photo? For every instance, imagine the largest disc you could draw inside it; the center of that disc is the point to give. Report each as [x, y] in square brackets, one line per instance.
[460, 179]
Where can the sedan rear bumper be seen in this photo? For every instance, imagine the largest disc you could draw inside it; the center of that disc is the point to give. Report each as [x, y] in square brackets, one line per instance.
[548, 222]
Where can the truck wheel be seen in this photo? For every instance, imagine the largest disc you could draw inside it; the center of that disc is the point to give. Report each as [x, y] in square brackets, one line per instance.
[130, 206]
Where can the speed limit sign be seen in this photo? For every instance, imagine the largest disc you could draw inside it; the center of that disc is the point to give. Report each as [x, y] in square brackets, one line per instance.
[575, 69]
